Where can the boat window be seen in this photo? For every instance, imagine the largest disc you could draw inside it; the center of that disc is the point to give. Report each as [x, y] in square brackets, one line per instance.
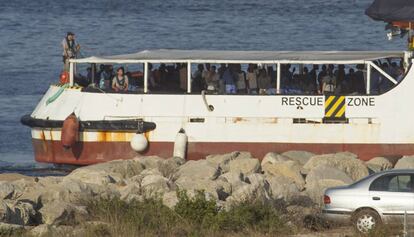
[243, 79]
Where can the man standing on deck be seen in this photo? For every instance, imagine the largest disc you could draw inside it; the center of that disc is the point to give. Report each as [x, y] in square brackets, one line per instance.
[70, 49]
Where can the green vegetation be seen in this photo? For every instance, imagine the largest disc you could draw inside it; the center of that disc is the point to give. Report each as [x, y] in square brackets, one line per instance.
[192, 216]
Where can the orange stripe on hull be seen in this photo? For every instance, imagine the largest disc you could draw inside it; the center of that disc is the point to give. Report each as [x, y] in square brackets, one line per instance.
[96, 152]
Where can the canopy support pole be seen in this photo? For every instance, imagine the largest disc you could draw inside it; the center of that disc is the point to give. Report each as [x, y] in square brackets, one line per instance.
[368, 78]
[383, 73]
[278, 78]
[146, 77]
[71, 74]
[188, 77]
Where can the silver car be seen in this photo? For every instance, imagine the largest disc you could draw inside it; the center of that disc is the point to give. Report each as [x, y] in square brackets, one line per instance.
[381, 197]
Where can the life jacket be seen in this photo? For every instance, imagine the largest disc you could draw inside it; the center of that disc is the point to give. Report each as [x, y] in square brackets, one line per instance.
[71, 52]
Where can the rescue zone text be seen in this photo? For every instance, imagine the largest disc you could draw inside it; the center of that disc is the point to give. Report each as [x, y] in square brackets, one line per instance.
[319, 101]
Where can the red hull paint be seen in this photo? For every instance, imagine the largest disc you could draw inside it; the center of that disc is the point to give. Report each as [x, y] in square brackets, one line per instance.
[95, 152]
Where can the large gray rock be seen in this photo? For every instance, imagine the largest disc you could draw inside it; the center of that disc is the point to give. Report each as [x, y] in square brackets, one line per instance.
[327, 172]
[257, 190]
[10, 229]
[281, 187]
[16, 212]
[345, 161]
[317, 189]
[154, 185]
[300, 156]
[245, 166]
[149, 162]
[200, 169]
[108, 172]
[218, 189]
[62, 213]
[235, 179]
[222, 160]
[378, 164]
[273, 157]
[289, 169]
[407, 162]
[170, 199]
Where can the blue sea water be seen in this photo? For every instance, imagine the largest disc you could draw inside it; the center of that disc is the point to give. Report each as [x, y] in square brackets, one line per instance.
[31, 33]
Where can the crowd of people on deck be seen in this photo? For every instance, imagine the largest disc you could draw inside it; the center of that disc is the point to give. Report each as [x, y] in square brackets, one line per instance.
[256, 79]
[232, 79]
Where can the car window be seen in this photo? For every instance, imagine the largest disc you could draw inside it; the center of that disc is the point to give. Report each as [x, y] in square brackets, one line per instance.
[393, 183]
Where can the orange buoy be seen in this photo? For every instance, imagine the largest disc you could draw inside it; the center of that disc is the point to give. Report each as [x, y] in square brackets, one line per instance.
[64, 78]
[70, 131]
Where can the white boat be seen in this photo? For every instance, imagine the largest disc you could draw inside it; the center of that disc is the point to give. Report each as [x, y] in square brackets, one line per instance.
[368, 125]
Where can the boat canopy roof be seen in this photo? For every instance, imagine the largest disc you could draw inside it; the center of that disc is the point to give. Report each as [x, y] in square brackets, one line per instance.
[391, 11]
[216, 56]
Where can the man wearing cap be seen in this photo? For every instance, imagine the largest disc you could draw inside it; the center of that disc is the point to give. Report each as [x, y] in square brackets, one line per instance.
[70, 49]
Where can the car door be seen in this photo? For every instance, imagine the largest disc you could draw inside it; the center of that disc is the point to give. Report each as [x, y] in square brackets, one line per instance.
[392, 195]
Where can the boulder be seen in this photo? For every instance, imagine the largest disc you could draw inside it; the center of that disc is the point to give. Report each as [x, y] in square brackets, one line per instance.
[154, 185]
[59, 213]
[273, 157]
[258, 190]
[345, 161]
[245, 166]
[169, 167]
[108, 172]
[235, 179]
[128, 190]
[222, 160]
[11, 229]
[300, 156]
[281, 187]
[149, 162]
[45, 230]
[200, 169]
[327, 172]
[170, 199]
[406, 162]
[378, 164]
[16, 212]
[316, 190]
[289, 169]
[218, 189]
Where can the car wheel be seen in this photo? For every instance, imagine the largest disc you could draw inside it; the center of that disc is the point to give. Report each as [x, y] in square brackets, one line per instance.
[366, 220]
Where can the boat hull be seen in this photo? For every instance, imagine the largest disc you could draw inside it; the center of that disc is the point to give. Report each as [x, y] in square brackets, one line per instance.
[84, 153]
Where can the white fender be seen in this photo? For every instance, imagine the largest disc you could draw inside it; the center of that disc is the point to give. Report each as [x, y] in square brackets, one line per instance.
[180, 144]
[139, 142]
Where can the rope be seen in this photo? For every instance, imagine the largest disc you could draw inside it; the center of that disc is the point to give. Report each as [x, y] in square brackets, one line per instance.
[210, 108]
[57, 94]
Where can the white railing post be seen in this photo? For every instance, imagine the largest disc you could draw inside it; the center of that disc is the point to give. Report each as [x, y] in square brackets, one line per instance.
[278, 78]
[368, 78]
[188, 77]
[146, 77]
[71, 77]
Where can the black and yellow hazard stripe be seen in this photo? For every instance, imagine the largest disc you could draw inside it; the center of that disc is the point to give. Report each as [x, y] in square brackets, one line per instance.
[335, 106]
[69, 87]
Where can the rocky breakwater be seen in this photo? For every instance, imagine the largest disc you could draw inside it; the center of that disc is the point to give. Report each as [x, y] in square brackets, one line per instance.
[297, 179]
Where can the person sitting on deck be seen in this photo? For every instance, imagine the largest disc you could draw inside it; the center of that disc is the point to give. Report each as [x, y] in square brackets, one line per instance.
[329, 81]
[252, 79]
[263, 81]
[183, 77]
[359, 84]
[321, 75]
[197, 84]
[229, 80]
[212, 79]
[241, 80]
[120, 81]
